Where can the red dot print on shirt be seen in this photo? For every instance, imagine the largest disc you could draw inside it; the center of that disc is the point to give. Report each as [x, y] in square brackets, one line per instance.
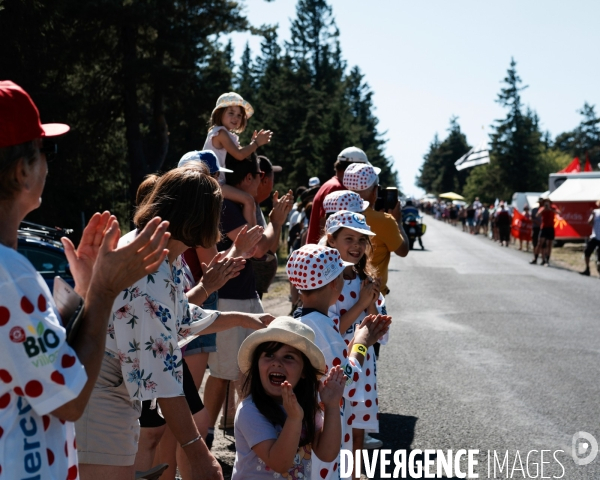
[353, 294]
[50, 456]
[368, 403]
[368, 387]
[336, 362]
[376, 401]
[345, 353]
[5, 400]
[19, 391]
[1, 432]
[42, 303]
[368, 372]
[368, 356]
[26, 305]
[367, 417]
[72, 473]
[341, 298]
[324, 472]
[335, 466]
[67, 361]
[343, 311]
[4, 316]
[355, 377]
[66, 449]
[5, 376]
[57, 377]
[352, 392]
[33, 389]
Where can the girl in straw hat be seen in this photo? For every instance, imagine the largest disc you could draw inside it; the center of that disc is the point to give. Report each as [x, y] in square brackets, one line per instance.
[229, 118]
[280, 428]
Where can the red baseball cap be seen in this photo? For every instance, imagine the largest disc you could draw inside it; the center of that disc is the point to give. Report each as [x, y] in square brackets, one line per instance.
[20, 118]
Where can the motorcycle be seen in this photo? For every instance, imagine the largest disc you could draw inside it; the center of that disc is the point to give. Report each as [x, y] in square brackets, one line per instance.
[414, 228]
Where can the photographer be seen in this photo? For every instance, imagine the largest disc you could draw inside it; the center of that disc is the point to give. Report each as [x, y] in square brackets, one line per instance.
[389, 234]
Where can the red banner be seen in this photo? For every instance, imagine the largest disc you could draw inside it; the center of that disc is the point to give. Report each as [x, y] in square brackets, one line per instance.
[521, 226]
[588, 165]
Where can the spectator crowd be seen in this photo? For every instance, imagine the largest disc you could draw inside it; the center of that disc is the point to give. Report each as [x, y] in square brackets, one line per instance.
[102, 380]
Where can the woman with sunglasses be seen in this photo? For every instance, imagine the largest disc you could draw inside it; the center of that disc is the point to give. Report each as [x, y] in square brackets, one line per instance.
[45, 382]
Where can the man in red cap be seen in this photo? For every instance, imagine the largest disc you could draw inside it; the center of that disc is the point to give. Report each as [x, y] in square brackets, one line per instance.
[45, 382]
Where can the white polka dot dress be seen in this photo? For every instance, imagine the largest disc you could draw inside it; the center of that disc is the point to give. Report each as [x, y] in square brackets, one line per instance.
[329, 340]
[363, 414]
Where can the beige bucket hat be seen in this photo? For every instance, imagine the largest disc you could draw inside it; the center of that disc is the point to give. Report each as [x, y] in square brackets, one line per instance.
[232, 99]
[285, 330]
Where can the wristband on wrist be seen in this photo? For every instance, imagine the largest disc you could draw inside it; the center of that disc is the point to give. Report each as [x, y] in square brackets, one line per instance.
[191, 441]
[207, 295]
[358, 348]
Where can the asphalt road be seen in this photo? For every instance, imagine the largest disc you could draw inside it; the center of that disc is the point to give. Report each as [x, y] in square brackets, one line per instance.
[488, 352]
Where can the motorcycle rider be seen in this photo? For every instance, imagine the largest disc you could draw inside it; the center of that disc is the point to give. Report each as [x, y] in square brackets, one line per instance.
[409, 211]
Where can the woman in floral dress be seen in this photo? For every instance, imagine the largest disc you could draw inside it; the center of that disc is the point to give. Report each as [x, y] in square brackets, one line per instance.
[151, 320]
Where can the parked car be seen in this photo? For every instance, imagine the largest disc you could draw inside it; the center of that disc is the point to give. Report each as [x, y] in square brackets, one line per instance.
[41, 245]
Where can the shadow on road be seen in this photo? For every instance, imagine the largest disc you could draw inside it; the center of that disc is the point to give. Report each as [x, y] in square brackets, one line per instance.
[397, 433]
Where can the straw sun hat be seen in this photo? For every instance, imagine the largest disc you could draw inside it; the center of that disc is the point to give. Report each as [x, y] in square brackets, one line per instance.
[284, 330]
[232, 99]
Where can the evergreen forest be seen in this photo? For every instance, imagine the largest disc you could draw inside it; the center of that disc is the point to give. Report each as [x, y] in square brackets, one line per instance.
[137, 81]
[521, 155]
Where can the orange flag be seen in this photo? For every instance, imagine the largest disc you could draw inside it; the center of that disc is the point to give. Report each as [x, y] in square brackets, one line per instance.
[515, 226]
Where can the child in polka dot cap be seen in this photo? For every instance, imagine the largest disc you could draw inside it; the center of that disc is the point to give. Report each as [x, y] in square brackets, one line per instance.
[316, 271]
[360, 296]
[344, 200]
[359, 177]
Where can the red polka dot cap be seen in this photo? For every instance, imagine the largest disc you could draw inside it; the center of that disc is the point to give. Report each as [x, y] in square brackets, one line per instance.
[359, 176]
[351, 220]
[344, 200]
[314, 266]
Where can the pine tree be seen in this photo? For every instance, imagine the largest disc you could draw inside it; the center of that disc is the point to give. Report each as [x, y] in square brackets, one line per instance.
[584, 140]
[516, 140]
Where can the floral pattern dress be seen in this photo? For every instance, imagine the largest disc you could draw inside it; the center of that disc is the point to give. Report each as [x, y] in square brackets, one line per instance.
[151, 320]
[365, 413]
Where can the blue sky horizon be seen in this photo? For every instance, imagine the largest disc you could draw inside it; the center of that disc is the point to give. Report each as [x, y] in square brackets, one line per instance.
[427, 62]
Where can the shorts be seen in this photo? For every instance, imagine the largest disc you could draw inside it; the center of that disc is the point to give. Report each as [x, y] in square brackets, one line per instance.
[150, 417]
[204, 343]
[547, 233]
[108, 431]
[471, 222]
[223, 363]
[592, 244]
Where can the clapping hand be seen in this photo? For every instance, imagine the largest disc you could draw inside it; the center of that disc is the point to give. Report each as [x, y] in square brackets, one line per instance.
[290, 402]
[331, 387]
[82, 259]
[220, 270]
[246, 241]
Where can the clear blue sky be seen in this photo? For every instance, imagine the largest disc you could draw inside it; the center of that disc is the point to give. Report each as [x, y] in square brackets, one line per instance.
[426, 61]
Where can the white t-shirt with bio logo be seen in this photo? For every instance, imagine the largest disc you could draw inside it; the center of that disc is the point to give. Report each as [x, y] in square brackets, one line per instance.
[39, 372]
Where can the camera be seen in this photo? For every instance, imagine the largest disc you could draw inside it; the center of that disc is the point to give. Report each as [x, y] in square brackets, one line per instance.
[387, 198]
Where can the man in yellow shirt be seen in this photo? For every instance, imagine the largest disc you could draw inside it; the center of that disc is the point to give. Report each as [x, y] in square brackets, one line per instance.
[389, 234]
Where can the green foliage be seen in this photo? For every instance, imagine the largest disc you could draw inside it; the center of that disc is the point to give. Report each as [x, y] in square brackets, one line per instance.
[438, 173]
[584, 140]
[137, 81]
[484, 182]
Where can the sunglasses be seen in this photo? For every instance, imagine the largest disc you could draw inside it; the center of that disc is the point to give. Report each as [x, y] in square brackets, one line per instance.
[49, 148]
